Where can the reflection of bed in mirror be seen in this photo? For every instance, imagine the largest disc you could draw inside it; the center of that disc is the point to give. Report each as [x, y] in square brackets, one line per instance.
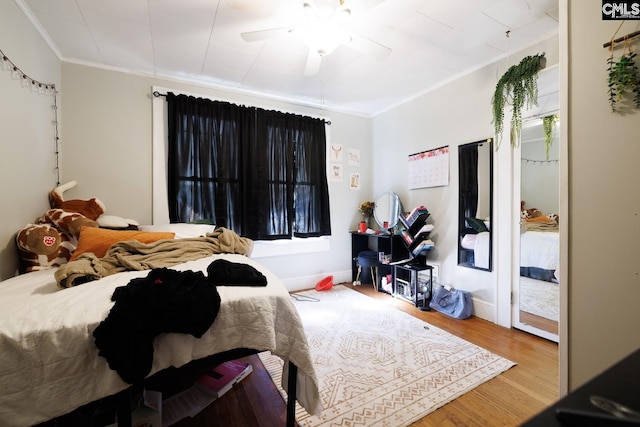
[539, 264]
[539, 231]
[475, 200]
[476, 246]
[540, 252]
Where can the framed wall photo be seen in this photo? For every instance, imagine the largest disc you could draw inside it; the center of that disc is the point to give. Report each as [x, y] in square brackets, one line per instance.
[336, 172]
[429, 168]
[354, 181]
[354, 157]
[336, 152]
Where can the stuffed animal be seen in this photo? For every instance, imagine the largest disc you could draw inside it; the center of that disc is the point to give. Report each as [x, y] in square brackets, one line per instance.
[535, 215]
[91, 208]
[529, 213]
[52, 238]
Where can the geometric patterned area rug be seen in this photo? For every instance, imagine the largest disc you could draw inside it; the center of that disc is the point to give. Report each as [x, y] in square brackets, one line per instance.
[379, 366]
[540, 298]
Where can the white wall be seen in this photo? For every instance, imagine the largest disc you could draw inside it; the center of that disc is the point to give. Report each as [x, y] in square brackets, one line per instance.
[107, 149]
[604, 222]
[27, 150]
[540, 178]
[454, 114]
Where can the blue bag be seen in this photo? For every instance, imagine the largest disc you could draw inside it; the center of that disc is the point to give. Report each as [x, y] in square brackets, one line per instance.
[455, 303]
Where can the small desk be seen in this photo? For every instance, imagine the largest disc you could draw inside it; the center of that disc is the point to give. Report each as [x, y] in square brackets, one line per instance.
[621, 383]
[390, 244]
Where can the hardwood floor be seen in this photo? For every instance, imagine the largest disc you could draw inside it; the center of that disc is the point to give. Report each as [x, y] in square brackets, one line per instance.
[507, 400]
[539, 322]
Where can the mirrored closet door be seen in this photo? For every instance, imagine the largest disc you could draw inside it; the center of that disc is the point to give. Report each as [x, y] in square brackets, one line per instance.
[536, 231]
[536, 308]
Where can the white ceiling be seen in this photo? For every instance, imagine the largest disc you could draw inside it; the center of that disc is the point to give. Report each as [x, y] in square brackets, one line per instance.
[431, 42]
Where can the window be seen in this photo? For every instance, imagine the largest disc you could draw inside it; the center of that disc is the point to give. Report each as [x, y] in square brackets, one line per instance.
[260, 173]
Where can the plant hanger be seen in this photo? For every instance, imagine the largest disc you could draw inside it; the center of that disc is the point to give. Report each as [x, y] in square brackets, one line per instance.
[519, 87]
[623, 76]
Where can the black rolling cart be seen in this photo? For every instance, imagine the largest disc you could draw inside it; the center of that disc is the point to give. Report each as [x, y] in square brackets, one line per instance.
[412, 286]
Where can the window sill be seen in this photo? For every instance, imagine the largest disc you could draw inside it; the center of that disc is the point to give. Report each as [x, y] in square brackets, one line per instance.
[268, 248]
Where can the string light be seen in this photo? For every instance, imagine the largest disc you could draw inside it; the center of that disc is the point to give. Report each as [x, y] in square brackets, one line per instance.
[41, 88]
[538, 161]
[16, 73]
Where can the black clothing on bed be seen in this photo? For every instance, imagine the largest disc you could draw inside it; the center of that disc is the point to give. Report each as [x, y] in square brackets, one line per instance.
[226, 273]
[164, 301]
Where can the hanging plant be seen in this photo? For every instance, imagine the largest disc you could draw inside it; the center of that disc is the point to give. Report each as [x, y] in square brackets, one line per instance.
[519, 85]
[548, 123]
[623, 78]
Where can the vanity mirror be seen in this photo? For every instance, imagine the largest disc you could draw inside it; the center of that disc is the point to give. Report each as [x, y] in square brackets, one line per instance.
[475, 204]
[387, 209]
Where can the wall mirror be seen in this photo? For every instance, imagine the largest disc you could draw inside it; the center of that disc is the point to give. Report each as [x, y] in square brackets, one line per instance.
[475, 204]
[537, 302]
[387, 209]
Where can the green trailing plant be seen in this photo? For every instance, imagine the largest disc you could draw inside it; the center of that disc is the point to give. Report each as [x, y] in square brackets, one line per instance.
[519, 85]
[548, 123]
[623, 78]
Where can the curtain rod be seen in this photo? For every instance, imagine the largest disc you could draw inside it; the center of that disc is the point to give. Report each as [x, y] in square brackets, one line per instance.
[623, 38]
[158, 94]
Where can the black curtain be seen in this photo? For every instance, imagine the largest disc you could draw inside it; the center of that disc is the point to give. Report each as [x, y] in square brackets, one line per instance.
[468, 173]
[260, 173]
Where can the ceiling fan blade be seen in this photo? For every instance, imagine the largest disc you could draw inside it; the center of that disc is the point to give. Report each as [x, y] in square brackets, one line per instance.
[272, 33]
[314, 60]
[368, 46]
[372, 3]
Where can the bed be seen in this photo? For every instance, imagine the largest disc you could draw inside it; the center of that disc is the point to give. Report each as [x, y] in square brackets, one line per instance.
[539, 268]
[478, 244]
[49, 363]
[540, 251]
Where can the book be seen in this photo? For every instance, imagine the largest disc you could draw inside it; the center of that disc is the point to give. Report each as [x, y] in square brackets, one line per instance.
[207, 388]
[425, 245]
[220, 379]
[408, 238]
[427, 228]
[415, 213]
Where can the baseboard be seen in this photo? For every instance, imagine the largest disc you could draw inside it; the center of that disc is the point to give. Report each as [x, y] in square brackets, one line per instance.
[308, 282]
[484, 310]
[481, 309]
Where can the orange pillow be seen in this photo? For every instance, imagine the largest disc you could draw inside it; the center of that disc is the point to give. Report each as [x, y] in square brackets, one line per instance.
[541, 218]
[98, 240]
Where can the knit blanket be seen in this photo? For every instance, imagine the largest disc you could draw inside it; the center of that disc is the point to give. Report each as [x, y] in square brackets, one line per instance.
[538, 226]
[132, 255]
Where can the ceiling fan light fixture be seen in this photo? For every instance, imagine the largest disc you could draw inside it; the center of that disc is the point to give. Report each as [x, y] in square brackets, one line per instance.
[323, 38]
[310, 13]
[343, 15]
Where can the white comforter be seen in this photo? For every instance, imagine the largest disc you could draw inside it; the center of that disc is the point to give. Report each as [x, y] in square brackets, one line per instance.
[540, 249]
[49, 364]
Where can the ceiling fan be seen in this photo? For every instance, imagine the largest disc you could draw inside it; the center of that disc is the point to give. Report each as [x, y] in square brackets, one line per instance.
[323, 28]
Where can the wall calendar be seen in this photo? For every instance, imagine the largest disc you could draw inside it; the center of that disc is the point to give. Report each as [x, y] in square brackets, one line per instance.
[429, 168]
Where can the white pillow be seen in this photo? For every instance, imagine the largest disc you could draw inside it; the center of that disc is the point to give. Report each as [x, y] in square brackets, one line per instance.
[112, 221]
[181, 230]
